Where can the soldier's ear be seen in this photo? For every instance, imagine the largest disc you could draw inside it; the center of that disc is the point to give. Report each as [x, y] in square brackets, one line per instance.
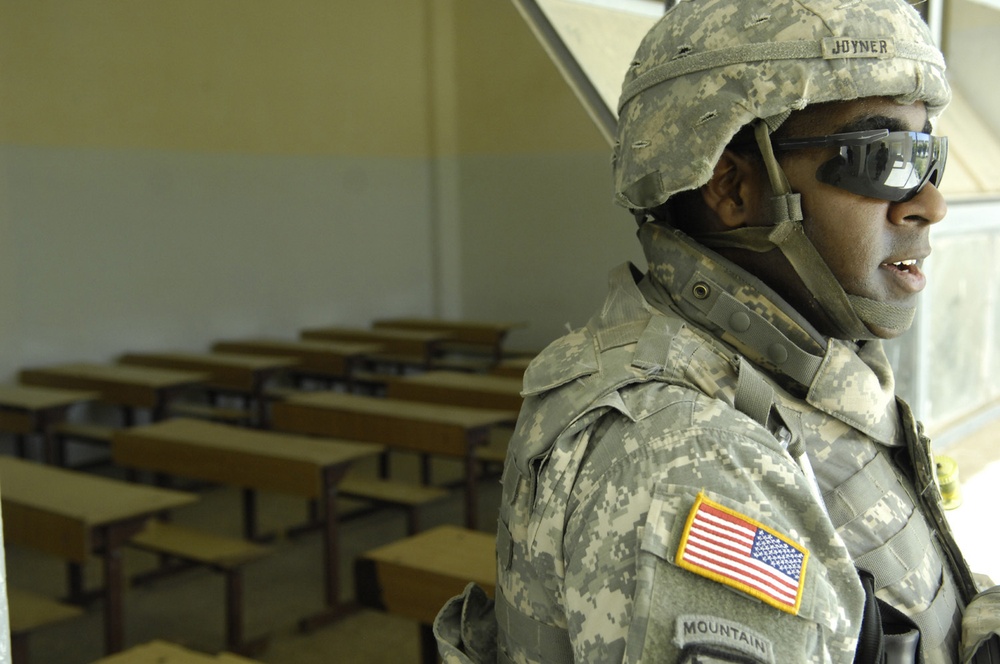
[734, 192]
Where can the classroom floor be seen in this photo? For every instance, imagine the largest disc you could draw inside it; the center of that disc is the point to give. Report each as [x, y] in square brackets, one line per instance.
[187, 608]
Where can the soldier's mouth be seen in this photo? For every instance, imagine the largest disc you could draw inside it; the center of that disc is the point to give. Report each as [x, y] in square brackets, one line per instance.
[906, 273]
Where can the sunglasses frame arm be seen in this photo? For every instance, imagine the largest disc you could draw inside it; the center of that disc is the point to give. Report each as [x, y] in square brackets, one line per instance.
[833, 140]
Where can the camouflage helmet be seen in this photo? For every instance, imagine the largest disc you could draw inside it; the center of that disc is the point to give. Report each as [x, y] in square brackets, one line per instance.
[710, 67]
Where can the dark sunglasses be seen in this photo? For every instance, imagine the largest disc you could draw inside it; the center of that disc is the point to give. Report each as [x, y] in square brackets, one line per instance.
[883, 164]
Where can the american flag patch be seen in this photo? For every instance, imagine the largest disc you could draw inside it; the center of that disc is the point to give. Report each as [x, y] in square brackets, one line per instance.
[733, 549]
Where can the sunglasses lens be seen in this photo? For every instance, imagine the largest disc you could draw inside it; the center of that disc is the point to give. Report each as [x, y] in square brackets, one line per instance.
[892, 168]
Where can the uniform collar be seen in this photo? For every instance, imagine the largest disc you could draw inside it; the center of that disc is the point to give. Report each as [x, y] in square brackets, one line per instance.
[849, 381]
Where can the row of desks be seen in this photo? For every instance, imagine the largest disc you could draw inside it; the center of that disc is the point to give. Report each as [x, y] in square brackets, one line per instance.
[151, 379]
[95, 515]
[468, 405]
[463, 410]
[72, 515]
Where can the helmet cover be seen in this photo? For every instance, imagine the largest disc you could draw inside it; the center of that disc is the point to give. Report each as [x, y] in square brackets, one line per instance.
[709, 67]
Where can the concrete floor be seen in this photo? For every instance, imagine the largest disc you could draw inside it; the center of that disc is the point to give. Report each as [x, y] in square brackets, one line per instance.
[187, 608]
[974, 522]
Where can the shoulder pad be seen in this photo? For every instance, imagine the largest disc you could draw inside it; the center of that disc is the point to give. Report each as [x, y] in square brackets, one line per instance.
[568, 358]
[620, 322]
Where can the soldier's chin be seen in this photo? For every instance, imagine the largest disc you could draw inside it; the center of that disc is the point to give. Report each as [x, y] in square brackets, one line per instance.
[885, 332]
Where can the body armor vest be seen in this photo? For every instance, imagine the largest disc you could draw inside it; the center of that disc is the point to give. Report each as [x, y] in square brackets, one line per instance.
[890, 520]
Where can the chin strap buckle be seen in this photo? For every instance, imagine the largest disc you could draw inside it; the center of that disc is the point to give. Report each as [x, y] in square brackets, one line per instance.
[786, 207]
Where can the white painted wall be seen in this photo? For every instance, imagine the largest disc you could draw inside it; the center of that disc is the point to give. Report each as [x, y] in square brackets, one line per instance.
[109, 251]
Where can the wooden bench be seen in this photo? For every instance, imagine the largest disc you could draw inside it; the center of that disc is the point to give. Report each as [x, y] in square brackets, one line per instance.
[393, 493]
[401, 349]
[281, 392]
[203, 411]
[424, 428]
[329, 361]
[222, 554]
[85, 432]
[415, 576]
[29, 611]
[482, 337]
[253, 460]
[456, 388]
[494, 453]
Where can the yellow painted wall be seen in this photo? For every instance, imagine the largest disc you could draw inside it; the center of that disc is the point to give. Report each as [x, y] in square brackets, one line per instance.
[260, 76]
[253, 76]
[512, 98]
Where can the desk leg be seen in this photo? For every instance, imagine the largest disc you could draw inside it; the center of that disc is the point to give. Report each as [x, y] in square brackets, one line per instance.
[159, 410]
[74, 580]
[114, 590]
[331, 544]
[258, 402]
[260, 407]
[331, 555]
[425, 469]
[471, 490]
[250, 514]
[52, 447]
[52, 452]
[161, 407]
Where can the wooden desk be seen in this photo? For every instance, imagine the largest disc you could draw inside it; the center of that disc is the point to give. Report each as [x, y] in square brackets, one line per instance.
[254, 460]
[458, 388]
[30, 611]
[418, 427]
[420, 345]
[162, 652]
[33, 410]
[130, 387]
[71, 515]
[416, 576]
[244, 374]
[329, 359]
[489, 334]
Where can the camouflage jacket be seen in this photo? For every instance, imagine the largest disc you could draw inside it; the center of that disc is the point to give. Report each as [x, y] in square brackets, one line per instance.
[696, 475]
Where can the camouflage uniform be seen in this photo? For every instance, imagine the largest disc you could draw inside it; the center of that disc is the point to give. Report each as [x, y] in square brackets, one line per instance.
[628, 420]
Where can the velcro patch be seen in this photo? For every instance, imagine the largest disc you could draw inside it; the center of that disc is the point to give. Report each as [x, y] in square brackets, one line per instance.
[698, 630]
[858, 47]
[723, 545]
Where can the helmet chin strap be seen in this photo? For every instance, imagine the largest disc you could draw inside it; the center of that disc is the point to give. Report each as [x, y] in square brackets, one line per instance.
[853, 315]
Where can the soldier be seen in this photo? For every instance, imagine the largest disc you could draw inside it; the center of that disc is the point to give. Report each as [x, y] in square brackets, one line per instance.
[716, 468]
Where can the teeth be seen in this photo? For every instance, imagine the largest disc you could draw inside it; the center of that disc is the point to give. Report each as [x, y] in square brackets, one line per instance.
[907, 263]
